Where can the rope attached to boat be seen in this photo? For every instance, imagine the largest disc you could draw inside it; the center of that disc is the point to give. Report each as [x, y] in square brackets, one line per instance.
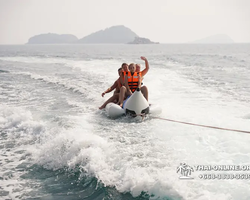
[193, 124]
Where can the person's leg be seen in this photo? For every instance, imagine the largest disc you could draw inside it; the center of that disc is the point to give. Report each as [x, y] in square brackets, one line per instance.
[122, 95]
[126, 98]
[117, 99]
[144, 91]
[111, 99]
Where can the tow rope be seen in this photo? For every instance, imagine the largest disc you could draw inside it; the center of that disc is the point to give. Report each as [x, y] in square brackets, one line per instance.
[193, 124]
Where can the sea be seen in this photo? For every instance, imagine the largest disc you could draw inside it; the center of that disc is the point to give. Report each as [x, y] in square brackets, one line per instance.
[55, 144]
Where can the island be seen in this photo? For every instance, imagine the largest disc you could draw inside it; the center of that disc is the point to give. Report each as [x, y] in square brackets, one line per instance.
[141, 40]
[53, 38]
[113, 35]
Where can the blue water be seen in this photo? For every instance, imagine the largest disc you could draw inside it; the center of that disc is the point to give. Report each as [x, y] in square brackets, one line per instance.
[56, 144]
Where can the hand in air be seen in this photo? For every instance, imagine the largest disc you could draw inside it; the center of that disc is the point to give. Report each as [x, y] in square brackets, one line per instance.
[143, 58]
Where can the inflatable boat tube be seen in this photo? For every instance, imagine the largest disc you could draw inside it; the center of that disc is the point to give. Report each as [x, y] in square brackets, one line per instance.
[134, 106]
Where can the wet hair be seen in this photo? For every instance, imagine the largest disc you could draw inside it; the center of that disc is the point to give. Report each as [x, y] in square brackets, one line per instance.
[137, 67]
[124, 64]
[119, 69]
[131, 64]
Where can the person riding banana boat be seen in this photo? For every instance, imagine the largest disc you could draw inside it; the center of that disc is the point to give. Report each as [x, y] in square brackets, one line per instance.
[123, 84]
[132, 82]
[117, 85]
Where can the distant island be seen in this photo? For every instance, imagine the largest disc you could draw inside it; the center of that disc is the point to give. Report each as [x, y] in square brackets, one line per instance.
[113, 35]
[140, 40]
[215, 39]
[52, 38]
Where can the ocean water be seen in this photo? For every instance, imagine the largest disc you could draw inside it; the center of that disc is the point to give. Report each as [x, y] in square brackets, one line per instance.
[56, 144]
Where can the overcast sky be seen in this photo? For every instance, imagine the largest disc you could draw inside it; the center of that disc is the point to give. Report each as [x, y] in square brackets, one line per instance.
[165, 21]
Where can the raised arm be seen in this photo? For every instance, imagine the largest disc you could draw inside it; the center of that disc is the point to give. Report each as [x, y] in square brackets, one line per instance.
[146, 65]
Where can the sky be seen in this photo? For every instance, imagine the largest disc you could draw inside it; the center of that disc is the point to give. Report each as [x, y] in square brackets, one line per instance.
[164, 21]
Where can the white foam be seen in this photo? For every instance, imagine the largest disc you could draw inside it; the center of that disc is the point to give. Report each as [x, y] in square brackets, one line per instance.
[19, 121]
[19, 130]
[35, 60]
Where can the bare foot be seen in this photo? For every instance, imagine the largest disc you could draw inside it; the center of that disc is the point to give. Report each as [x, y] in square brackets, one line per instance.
[101, 107]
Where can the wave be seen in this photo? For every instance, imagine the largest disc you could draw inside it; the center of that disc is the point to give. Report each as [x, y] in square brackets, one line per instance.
[19, 121]
[4, 71]
[79, 149]
[73, 86]
[36, 60]
[18, 131]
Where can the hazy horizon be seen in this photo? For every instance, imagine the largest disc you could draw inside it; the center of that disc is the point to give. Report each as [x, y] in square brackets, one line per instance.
[163, 21]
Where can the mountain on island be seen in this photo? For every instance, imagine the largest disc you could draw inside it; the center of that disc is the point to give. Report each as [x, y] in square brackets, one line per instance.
[52, 38]
[219, 39]
[113, 35]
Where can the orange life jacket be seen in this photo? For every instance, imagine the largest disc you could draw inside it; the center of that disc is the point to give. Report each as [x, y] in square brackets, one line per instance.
[124, 73]
[133, 81]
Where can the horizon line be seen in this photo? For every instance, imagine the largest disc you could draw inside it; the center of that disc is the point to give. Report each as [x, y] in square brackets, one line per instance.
[125, 43]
